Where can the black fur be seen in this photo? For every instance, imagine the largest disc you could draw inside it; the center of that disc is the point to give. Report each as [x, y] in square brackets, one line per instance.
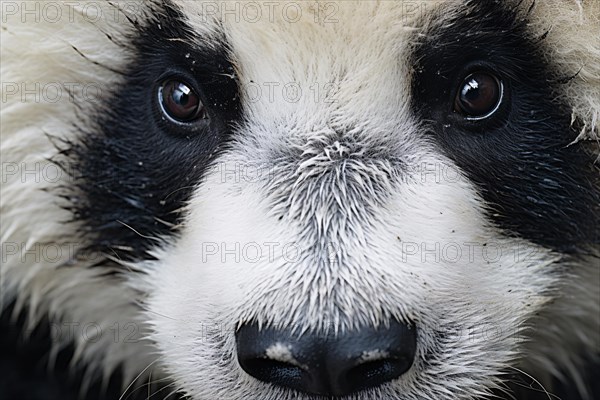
[536, 184]
[27, 373]
[136, 170]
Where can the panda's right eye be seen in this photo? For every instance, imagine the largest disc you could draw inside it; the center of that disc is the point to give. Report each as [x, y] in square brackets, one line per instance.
[179, 102]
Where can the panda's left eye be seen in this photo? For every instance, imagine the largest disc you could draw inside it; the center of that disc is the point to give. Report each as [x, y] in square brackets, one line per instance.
[180, 102]
[479, 96]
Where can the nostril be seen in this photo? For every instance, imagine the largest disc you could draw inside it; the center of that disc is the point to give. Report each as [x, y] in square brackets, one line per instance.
[269, 355]
[276, 372]
[371, 357]
[376, 372]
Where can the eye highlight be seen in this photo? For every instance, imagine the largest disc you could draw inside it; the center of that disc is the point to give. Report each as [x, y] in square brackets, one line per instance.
[180, 102]
[479, 96]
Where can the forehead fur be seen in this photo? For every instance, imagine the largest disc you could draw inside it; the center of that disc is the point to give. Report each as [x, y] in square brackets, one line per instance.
[319, 47]
[365, 31]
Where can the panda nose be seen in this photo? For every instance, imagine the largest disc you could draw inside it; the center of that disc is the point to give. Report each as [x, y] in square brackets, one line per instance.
[329, 365]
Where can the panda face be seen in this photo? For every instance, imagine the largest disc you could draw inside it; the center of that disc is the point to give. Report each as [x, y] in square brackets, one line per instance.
[329, 181]
[355, 200]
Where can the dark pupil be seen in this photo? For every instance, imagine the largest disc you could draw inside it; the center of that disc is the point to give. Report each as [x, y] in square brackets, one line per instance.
[479, 95]
[180, 101]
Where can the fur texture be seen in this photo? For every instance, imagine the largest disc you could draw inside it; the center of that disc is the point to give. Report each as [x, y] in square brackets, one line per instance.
[318, 214]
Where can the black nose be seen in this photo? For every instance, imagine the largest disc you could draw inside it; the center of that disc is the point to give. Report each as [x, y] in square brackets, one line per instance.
[331, 365]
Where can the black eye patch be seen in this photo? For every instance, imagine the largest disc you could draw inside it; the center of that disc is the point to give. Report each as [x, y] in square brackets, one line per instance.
[157, 134]
[490, 100]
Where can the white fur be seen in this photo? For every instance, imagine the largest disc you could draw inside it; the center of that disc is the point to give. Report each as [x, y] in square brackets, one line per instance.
[43, 274]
